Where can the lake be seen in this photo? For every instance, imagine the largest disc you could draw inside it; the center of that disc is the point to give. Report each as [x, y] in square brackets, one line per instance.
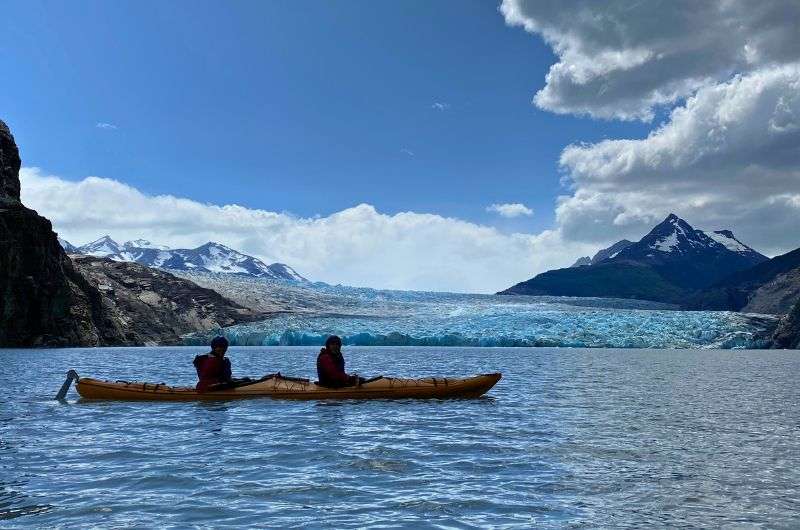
[568, 438]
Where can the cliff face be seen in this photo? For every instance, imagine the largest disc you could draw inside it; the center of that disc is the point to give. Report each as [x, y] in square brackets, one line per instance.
[156, 307]
[43, 300]
[787, 335]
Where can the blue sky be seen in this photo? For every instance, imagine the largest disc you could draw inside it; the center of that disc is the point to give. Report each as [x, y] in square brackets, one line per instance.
[302, 107]
[361, 142]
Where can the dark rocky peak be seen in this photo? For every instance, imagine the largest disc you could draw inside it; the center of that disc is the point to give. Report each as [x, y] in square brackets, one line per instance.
[603, 254]
[672, 224]
[582, 262]
[673, 235]
[9, 165]
[611, 251]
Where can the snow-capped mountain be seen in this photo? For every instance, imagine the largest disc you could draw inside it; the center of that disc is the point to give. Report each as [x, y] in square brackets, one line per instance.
[68, 247]
[688, 257]
[667, 264]
[143, 243]
[211, 257]
[105, 247]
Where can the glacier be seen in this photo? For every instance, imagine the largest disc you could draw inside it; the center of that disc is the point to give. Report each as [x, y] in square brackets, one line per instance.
[307, 314]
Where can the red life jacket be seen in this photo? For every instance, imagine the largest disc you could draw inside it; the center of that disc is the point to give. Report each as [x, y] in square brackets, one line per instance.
[211, 370]
[330, 370]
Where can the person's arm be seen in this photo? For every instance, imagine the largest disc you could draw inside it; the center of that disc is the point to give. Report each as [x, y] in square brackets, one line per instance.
[226, 374]
[332, 372]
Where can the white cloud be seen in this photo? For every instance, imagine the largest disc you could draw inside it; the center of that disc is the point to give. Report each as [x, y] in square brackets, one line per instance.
[728, 72]
[106, 126]
[407, 152]
[515, 209]
[440, 106]
[729, 158]
[356, 246]
[620, 59]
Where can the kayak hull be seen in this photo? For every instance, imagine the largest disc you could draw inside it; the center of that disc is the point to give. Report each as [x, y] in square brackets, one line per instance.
[289, 388]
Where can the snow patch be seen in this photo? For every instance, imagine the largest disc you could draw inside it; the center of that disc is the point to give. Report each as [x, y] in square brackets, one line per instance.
[667, 244]
[728, 242]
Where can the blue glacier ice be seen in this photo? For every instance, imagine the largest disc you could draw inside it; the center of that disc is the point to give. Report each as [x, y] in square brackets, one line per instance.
[371, 317]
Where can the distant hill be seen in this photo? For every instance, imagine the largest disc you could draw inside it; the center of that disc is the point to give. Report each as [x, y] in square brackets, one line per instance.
[211, 257]
[667, 264]
[772, 286]
[611, 280]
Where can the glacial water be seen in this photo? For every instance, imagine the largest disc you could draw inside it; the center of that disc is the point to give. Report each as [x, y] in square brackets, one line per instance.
[569, 438]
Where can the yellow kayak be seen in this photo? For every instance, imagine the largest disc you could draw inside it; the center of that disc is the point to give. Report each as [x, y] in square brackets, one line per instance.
[280, 387]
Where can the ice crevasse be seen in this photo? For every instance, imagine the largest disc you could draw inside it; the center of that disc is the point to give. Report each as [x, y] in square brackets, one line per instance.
[393, 318]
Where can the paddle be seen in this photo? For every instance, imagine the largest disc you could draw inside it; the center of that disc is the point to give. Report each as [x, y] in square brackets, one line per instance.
[72, 375]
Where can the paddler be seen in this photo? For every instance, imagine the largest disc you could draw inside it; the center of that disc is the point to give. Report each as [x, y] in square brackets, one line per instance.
[213, 368]
[330, 366]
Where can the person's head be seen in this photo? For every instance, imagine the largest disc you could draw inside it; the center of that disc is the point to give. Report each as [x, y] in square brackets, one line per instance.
[219, 345]
[333, 344]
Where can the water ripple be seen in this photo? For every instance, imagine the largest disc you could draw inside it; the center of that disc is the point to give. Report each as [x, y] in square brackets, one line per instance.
[569, 438]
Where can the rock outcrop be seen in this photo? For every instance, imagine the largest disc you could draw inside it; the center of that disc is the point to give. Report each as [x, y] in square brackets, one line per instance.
[155, 307]
[787, 334]
[44, 301]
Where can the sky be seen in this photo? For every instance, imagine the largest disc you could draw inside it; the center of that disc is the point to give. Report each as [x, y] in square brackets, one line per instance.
[450, 145]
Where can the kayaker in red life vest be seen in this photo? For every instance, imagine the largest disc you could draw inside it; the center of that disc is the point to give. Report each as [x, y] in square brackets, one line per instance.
[330, 366]
[213, 368]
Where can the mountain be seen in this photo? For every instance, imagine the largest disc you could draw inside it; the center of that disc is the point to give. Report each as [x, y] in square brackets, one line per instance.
[611, 252]
[152, 306]
[687, 257]
[610, 280]
[584, 261]
[603, 254]
[142, 243]
[211, 257]
[101, 248]
[672, 260]
[68, 247]
[768, 287]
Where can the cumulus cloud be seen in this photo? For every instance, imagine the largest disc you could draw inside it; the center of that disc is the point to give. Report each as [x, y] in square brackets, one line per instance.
[106, 126]
[728, 158]
[728, 74]
[620, 59]
[356, 246]
[514, 209]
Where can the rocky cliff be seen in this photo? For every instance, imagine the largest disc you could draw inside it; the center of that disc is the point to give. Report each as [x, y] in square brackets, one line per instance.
[155, 307]
[787, 335]
[44, 301]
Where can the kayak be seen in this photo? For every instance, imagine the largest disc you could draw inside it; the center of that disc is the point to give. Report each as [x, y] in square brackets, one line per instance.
[281, 387]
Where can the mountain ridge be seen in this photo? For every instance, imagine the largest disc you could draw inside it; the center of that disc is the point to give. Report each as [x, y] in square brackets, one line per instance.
[209, 257]
[671, 260]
